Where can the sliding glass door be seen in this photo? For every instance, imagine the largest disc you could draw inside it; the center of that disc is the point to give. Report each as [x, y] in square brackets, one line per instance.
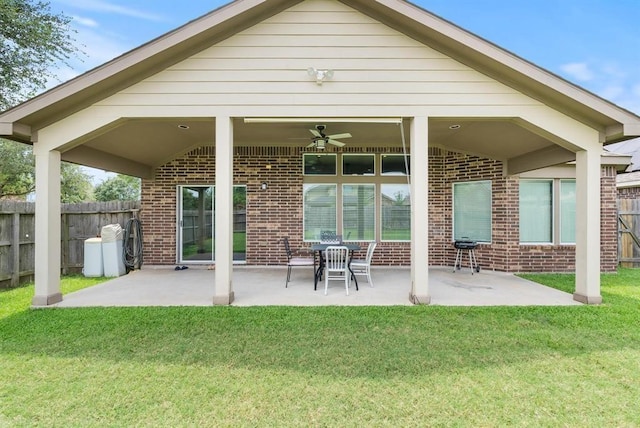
[196, 219]
[196, 223]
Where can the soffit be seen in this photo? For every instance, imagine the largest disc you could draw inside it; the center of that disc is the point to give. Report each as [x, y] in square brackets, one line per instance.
[155, 142]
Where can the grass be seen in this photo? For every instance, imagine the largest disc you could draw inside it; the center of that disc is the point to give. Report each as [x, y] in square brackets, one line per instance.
[239, 245]
[324, 366]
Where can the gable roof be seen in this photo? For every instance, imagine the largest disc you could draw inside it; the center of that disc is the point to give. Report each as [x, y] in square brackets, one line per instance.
[614, 122]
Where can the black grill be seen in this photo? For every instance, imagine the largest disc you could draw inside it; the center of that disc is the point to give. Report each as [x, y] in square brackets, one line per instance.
[469, 246]
[463, 244]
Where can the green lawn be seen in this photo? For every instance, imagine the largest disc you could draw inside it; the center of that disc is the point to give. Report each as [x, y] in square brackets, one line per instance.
[324, 366]
[239, 245]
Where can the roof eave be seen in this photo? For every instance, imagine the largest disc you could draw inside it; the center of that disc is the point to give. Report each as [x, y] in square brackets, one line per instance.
[614, 123]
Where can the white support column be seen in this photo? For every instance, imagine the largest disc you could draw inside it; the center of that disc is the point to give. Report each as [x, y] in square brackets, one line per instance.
[420, 211]
[223, 293]
[588, 226]
[47, 245]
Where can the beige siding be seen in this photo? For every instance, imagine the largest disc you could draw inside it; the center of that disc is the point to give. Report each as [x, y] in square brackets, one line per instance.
[266, 66]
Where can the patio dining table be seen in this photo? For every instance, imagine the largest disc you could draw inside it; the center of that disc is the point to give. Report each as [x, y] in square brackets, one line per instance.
[319, 248]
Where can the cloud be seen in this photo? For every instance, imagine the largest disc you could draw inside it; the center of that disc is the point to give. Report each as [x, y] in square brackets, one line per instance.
[578, 70]
[612, 80]
[612, 91]
[100, 47]
[86, 22]
[110, 7]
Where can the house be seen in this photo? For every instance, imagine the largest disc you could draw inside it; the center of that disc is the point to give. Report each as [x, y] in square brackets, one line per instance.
[628, 185]
[628, 181]
[259, 96]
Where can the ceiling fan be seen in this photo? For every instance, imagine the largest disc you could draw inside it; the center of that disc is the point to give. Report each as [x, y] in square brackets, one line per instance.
[320, 139]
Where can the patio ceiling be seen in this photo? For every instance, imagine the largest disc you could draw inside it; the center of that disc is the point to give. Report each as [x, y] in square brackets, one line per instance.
[137, 146]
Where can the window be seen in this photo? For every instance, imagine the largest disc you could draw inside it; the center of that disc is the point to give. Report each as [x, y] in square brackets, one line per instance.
[547, 211]
[360, 202]
[396, 212]
[358, 212]
[472, 211]
[319, 164]
[319, 202]
[358, 164]
[567, 211]
[395, 165]
[536, 211]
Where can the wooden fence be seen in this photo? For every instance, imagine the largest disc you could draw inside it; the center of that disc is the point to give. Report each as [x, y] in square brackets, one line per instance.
[79, 222]
[629, 232]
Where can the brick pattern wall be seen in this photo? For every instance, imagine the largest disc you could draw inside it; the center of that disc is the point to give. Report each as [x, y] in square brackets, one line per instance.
[608, 220]
[277, 211]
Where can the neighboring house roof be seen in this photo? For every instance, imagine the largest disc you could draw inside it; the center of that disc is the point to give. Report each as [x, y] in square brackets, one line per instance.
[620, 161]
[613, 122]
[631, 148]
[630, 179]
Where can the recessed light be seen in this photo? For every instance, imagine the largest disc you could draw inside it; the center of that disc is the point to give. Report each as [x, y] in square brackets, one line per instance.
[183, 126]
[455, 126]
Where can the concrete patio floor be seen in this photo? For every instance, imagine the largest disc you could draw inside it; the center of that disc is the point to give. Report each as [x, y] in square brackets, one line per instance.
[264, 286]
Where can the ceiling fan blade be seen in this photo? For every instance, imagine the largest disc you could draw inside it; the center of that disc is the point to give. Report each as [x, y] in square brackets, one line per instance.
[340, 136]
[336, 143]
[315, 133]
[311, 145]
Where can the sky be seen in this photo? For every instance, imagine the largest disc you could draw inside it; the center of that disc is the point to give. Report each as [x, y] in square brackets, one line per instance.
[592, 43]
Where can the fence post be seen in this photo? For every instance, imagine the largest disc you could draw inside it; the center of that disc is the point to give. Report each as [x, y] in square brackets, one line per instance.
[65, 242]
[15, 274]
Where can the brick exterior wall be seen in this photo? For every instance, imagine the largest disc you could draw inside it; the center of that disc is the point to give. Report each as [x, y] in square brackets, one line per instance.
[277, 211]
[608, 220]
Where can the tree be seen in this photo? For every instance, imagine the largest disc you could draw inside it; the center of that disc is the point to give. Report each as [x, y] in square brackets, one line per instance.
[17, 175]
[118, 188]
[16, 170]
[33, 43]
[400, 198]
[75, 185]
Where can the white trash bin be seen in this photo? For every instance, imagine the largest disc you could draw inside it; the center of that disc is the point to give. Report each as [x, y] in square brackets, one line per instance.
[93, 265]
[112, 250]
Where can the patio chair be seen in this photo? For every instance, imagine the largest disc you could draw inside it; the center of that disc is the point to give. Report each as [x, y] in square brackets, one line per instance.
[363, 267]
[295, 261]
[336, 266]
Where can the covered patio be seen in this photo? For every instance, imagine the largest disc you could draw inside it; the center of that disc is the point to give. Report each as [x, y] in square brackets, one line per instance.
[233, 99]
[264, 286]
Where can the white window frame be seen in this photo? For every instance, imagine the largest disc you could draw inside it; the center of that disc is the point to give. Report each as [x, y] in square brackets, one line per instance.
[560, 242]
[381, 209]
[352, 155]
[304, 218]
[553, 211]
[556, 213]
[339, 180]
[333, 155]
[453, 213]
[406, 159]
[375, 213]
